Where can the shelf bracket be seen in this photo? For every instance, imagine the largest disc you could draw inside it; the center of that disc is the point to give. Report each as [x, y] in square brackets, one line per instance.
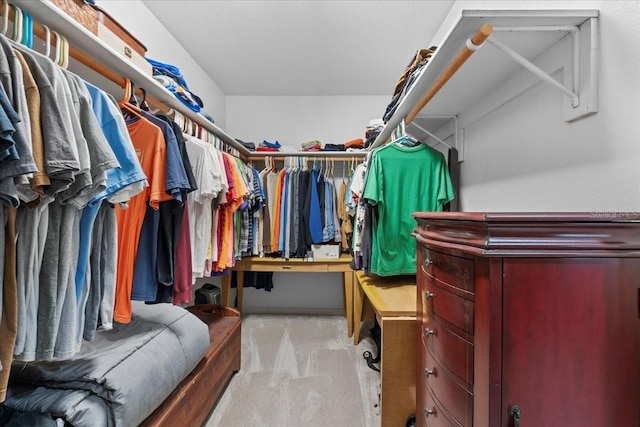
[451, 130]
[573, 30]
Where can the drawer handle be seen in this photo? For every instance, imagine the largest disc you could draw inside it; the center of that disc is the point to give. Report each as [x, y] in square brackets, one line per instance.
[428, 263]
[428, 372]
[286, 267]
[428, 295]
[428, 332]
[428, 412]
[515, 413]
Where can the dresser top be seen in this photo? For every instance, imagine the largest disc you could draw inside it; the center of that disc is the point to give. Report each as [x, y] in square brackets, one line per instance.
[596, 216]
[589, 234]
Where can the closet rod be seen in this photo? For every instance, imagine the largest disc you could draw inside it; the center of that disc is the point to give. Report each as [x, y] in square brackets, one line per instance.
[344, 157]
[471, 46]
[329, 154]
[56, 19]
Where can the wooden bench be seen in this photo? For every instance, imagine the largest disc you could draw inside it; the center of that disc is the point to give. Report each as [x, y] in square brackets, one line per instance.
[393, 300]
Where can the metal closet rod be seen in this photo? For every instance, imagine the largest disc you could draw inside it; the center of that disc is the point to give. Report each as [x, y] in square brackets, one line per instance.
[471, 46]
[87, 60]
[333, 155]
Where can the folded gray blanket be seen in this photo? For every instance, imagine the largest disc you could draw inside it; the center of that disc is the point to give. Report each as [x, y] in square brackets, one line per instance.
[120, 377]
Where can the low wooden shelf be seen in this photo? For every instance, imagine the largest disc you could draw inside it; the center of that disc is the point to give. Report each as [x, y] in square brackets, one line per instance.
[294, 265]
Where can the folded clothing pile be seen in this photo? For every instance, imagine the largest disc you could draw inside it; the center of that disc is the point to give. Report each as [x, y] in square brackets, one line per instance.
[170, 77]
[313, 145]
[268, 146]
[407, 79]
[373, 130]
[247, 144]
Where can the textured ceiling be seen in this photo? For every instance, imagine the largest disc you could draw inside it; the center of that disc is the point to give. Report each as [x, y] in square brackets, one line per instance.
[308, 47]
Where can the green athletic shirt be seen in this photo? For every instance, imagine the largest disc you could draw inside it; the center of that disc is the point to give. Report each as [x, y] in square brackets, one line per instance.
[402, 180]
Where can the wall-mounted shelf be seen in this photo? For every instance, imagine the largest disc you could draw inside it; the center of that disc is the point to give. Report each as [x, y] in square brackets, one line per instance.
[47, 13]
[489, 69]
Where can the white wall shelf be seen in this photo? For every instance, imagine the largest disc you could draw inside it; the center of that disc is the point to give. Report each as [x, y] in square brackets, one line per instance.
[47, 13]
[489, 69]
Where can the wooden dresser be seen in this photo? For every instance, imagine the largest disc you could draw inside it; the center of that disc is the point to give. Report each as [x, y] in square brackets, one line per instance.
[528, 319]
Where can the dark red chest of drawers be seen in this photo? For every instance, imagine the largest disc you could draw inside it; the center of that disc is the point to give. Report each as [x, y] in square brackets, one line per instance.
[529, 314]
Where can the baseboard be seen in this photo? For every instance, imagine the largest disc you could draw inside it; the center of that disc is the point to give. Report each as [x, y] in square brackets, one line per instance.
[291, 310]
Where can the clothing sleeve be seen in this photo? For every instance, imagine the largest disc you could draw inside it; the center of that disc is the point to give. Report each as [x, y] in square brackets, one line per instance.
[446, 193]
[373, 188]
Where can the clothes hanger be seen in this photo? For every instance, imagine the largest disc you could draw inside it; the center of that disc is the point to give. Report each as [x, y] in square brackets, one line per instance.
[17, 25]
[5, 17]
[143, 104]
[63, 42]
[27, 29]
[47, 41]
[124, 103]
[403, 138]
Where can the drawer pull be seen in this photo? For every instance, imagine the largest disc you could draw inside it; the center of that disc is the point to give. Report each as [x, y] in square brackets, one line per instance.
[428, 412]
[514, 413]
[428, 263]
[286, 267]
[428, 372]
[429, 295]
[428, 332]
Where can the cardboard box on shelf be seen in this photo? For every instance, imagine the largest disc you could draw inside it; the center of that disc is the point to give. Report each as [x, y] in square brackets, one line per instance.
[107, 29]
[325, 251]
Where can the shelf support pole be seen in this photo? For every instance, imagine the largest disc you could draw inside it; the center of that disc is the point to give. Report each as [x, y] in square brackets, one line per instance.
[471, 46]
[575, 32]
[575, 100]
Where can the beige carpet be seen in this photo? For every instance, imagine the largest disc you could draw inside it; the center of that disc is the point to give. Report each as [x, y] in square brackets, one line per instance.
[300, 371]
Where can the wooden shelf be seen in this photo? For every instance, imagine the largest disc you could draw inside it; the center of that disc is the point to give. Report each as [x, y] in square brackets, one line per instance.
[486, 69]
[49, 14]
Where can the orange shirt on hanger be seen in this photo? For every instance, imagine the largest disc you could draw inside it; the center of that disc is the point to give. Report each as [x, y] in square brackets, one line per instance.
[150, 147]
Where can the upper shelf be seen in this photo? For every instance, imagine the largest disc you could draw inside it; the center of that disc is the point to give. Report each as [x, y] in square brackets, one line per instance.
[47, 13]
[487, 68]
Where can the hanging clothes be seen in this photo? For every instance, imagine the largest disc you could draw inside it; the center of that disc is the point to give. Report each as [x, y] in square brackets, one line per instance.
[427, 188]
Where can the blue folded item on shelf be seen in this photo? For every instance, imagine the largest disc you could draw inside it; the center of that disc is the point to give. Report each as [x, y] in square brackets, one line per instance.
[168, 70]
[266, 143]
[171, 78]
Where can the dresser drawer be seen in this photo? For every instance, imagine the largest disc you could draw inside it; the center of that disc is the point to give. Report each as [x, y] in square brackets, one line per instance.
[446, 306]
[452, 270]
[431, 414]
[453, 352]
[452, 396]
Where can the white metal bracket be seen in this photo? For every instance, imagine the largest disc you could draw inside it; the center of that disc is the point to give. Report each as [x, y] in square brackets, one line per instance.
[582, 77]
[446, 131]
[573, 30]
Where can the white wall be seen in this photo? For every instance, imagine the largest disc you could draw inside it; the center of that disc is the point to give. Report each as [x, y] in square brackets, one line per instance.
[294, 119]
[522, 156]
[163, 47]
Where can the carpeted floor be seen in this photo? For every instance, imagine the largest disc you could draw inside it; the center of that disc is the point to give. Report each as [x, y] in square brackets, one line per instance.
[300, 371]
